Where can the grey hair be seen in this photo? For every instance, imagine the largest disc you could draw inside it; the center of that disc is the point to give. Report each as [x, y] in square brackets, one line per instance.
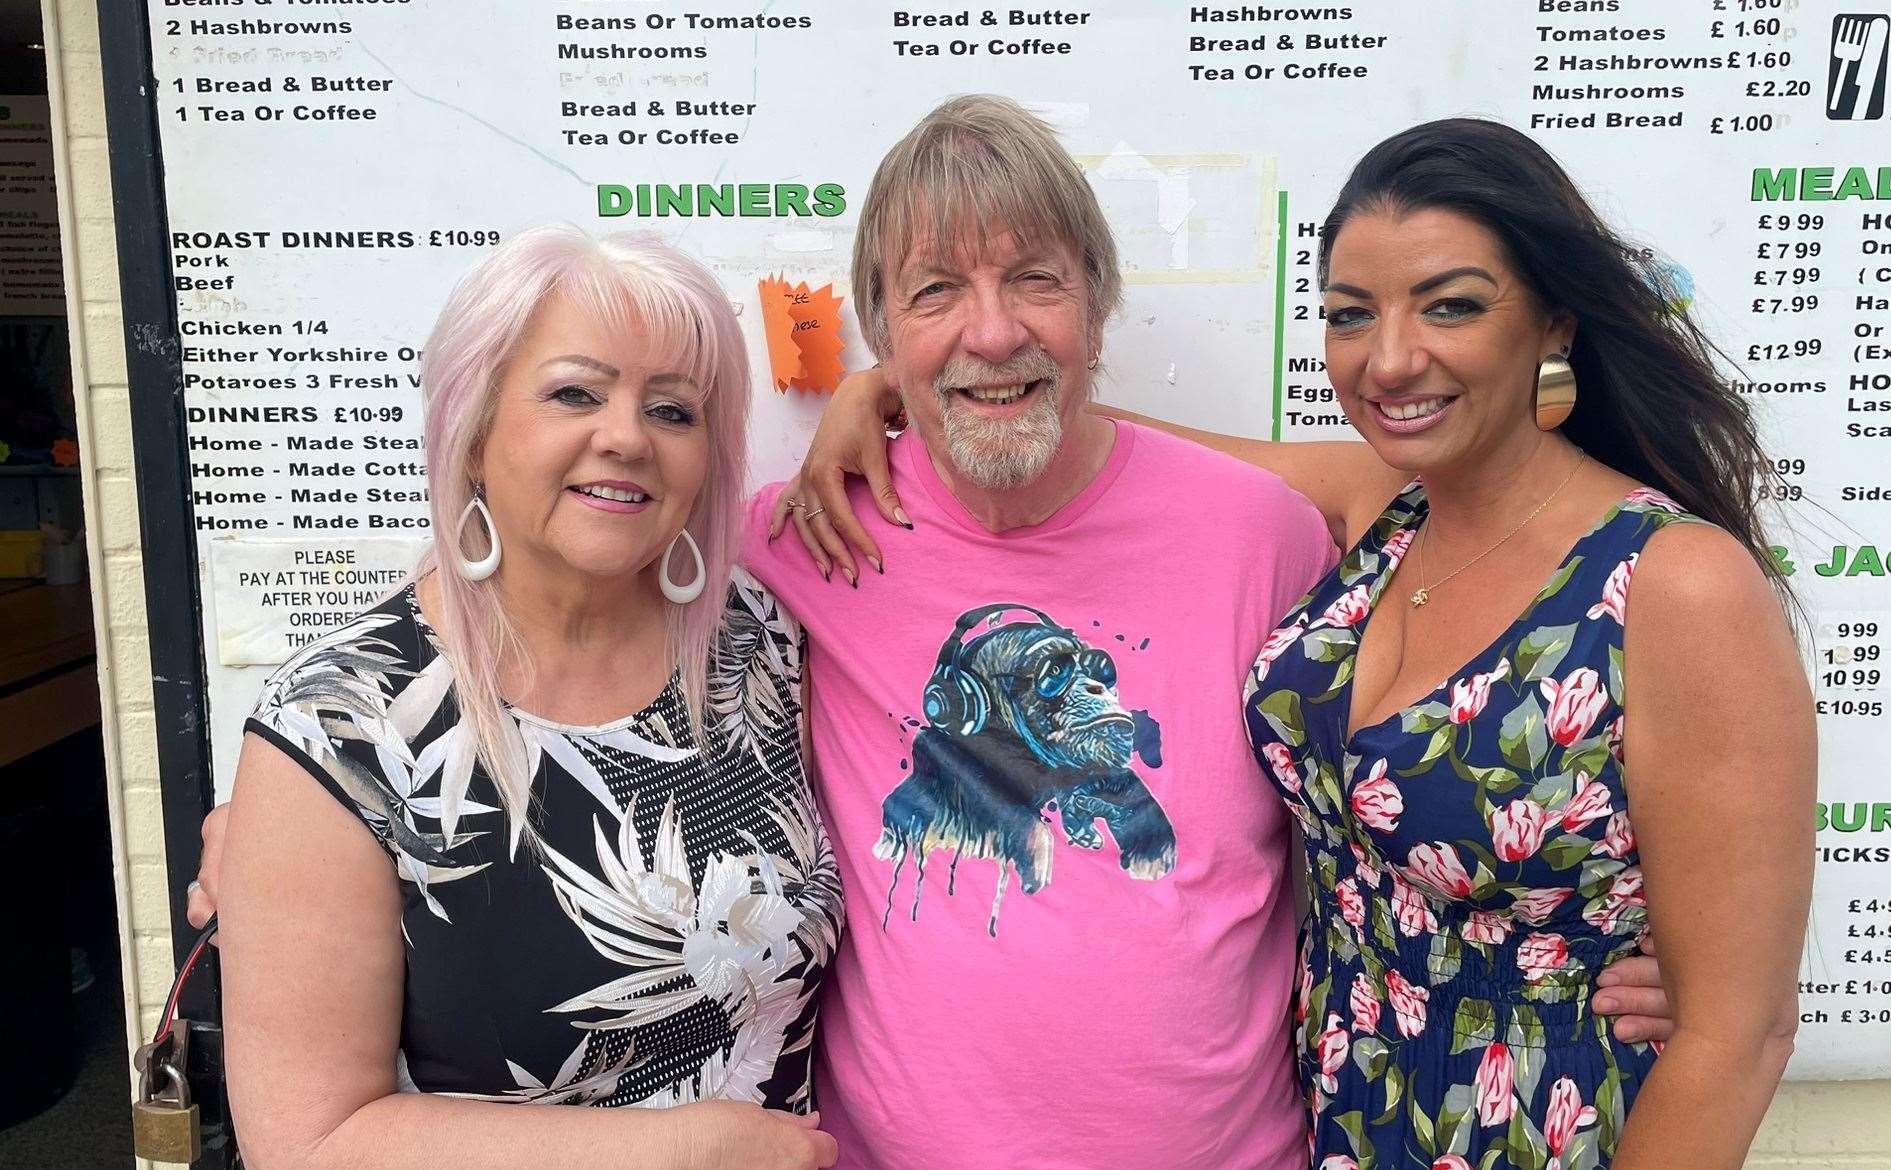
[976, 164]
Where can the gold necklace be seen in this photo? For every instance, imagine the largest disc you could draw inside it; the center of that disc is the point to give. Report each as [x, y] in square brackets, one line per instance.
[1424, 592]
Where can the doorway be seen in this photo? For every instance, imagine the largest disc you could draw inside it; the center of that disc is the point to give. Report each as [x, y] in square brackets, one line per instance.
[64, 1096]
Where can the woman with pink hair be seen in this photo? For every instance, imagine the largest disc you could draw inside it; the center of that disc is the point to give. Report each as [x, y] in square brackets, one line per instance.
[535, 830]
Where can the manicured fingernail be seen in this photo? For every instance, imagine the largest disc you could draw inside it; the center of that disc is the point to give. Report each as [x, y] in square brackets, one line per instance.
[827, 572]
[877, 566]
[899, 514]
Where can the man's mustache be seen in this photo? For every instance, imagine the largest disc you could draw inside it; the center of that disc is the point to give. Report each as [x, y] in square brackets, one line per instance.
[1029, 366]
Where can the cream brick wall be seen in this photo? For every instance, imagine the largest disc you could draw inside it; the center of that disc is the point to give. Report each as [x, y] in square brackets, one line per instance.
[112, 538]
[1811, 1127]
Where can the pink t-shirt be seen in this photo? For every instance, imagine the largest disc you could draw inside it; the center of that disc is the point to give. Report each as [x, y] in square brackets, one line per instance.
[1070, 933]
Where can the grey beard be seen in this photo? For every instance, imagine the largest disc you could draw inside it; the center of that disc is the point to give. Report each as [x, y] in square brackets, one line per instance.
[1004, 454]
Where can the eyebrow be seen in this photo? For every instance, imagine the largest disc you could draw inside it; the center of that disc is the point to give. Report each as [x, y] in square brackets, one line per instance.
[654, 381]
[578, 359]
[1425, 285]
[925, 265]
[1451, 274]
[932, 266]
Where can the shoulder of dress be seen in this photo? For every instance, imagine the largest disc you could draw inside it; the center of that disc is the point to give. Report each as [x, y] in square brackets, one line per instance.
[748, 595]
[1659, 508]
[385, 641]
[381, 641]
[359, 682]
[752, 605]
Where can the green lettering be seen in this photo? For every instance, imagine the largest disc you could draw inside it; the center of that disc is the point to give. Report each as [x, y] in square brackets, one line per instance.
[830, 199]
[1772, 186]
[791, 199]
[673, 200]
[1867, 561]
[1855, 185]
[611, 200]
[749, 200]
[1880, 817]
[1839, 819]
[1815, 183]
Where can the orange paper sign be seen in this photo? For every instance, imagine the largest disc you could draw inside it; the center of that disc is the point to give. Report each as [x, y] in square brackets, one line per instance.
[803, 331]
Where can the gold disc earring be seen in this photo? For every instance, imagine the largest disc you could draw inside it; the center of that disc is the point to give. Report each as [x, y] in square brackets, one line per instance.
[1555, 392]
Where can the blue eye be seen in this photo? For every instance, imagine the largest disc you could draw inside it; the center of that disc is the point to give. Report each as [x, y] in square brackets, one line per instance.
[672, 412]
[575, 396]
[1346, 318]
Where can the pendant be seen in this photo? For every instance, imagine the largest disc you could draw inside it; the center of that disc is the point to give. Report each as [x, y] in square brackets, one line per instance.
[1420, 598]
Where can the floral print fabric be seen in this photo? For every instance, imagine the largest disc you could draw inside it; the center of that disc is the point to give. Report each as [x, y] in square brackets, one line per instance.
[661, 934]
[1472, 867]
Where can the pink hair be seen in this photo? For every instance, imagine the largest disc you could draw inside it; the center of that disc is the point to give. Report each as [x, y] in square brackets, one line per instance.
[631, 283]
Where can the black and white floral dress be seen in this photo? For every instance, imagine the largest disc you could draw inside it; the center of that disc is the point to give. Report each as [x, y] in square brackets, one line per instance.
[660, 935]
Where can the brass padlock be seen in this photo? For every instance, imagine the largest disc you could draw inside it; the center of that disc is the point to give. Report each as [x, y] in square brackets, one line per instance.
[165, 1126]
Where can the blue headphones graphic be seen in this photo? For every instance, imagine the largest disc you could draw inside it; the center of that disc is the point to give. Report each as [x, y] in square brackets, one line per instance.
[959, 701]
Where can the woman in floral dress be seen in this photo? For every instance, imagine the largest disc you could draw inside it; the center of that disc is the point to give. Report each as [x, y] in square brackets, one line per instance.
[1539, 707]
[1449, 952]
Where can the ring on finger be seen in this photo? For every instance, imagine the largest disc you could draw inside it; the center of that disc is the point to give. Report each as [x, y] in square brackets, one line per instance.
[813, 514]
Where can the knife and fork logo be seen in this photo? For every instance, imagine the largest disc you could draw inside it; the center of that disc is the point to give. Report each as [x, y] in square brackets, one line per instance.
[1856, 88]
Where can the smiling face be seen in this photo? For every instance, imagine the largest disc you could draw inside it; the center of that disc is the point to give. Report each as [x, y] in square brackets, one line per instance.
[1433, 339]
[989, 348]
[596, 451]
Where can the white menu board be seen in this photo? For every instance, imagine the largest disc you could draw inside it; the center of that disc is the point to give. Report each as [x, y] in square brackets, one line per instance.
[332, 166]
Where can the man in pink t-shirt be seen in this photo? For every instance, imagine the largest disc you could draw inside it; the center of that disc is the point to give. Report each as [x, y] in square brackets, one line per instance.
[1070, 925]
[1070, 931]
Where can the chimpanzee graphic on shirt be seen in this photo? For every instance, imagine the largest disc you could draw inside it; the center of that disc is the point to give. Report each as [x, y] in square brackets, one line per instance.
[1023, 720]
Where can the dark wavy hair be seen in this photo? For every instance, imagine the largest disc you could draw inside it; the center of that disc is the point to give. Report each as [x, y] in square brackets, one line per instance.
[1651, 402]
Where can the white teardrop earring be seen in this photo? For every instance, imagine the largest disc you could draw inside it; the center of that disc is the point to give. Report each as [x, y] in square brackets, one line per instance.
[487, 565]
[682, 594]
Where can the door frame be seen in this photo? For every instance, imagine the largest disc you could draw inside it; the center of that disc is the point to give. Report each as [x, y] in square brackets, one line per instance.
[172, 594]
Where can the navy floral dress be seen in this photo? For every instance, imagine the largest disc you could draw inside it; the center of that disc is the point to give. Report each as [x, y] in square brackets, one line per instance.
[1471, 867]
